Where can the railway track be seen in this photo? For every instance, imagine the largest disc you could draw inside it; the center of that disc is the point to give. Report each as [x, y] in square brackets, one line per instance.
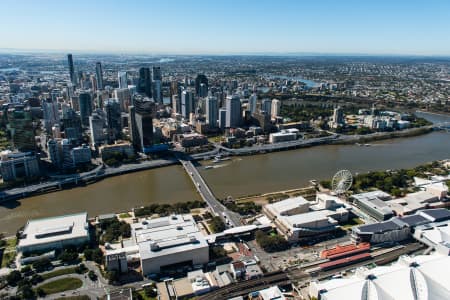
[379, 257]
[301, 275]
[245, 287]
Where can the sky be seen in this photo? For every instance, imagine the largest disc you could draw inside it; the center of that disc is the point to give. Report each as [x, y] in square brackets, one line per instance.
[228, 26]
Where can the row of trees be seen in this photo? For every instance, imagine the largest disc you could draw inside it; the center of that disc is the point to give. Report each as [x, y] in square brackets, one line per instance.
[166, 209]
[393, 182]
[271, 243]
[305, 112]
[216, 224]
[244, 208]
[113, 229]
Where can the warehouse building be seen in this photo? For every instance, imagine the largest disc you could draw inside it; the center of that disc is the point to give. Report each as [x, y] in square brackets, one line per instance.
[54, 233]
[410, 278]
[169, 242]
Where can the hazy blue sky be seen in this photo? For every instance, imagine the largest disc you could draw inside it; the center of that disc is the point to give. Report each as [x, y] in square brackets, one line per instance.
[228, 26]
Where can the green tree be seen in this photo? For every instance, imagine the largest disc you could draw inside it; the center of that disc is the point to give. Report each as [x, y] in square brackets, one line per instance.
[217, 225]
[42, 264]
[13, 278]
[112, 276]
[271, 243]
[40, 292]
[68, 256]
[36, 278]
[92, 276]
[94, 255]
[27, 292]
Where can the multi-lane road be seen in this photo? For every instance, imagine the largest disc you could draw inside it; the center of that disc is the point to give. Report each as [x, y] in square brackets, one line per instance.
[220, 210]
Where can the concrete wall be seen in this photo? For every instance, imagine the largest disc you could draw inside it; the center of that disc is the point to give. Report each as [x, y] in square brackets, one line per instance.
[153, 265]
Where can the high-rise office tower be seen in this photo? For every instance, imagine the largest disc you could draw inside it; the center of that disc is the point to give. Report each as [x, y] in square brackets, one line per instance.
[123, 80]
[141, 121]
[124, 97]
[222, 118]
[157, 73]
[144, 85]
[54, 152]
[338, 116]
[203, 92]
[174, 88]
[96, 125]
[66, 146]
[266, 106]
[157, 84]
[71, 69]
[21, 128]
[113, 120]
[51, 114]
[187, 103]
[157, 91]
[201, 79]
[212, 111]
[81, 80]
[71, 123]
[252, 103]
[93, 81]
[176, 104]
[234, 115]
[275, 108]
[85, 104]
[99, 75]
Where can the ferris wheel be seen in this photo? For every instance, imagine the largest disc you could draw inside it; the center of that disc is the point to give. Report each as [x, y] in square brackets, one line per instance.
[342, 181]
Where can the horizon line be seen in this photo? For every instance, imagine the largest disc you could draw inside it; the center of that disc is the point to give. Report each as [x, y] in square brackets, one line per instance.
[212, 53]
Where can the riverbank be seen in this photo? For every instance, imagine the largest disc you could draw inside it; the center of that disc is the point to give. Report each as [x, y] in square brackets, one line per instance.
[105, 172]
[379, 136]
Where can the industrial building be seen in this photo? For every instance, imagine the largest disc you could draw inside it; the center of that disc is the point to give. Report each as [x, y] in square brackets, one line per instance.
[398, 228]
[297, 218]
[373, 203]
[54, 233]
[168, 242]
[420, 277]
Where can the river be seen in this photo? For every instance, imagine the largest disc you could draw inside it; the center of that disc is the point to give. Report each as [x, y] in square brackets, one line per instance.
[240, 176]
[115, 194]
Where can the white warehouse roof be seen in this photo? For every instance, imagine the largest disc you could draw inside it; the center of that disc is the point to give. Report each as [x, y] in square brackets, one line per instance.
[54, 229]
[167, 235]
[284, 206]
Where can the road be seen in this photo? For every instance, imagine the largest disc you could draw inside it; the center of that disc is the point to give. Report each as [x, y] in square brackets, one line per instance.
[207, 195]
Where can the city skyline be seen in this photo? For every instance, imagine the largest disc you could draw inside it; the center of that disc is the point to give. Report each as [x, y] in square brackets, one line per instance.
[229, 27]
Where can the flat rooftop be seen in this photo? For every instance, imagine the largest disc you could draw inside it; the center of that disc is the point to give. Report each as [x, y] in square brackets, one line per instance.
[436, 214]
[167, 235]
[307, 218]
[288, 204]
[54, 229]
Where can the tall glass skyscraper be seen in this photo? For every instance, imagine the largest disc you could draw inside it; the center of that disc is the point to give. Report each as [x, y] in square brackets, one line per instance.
[99, 75]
